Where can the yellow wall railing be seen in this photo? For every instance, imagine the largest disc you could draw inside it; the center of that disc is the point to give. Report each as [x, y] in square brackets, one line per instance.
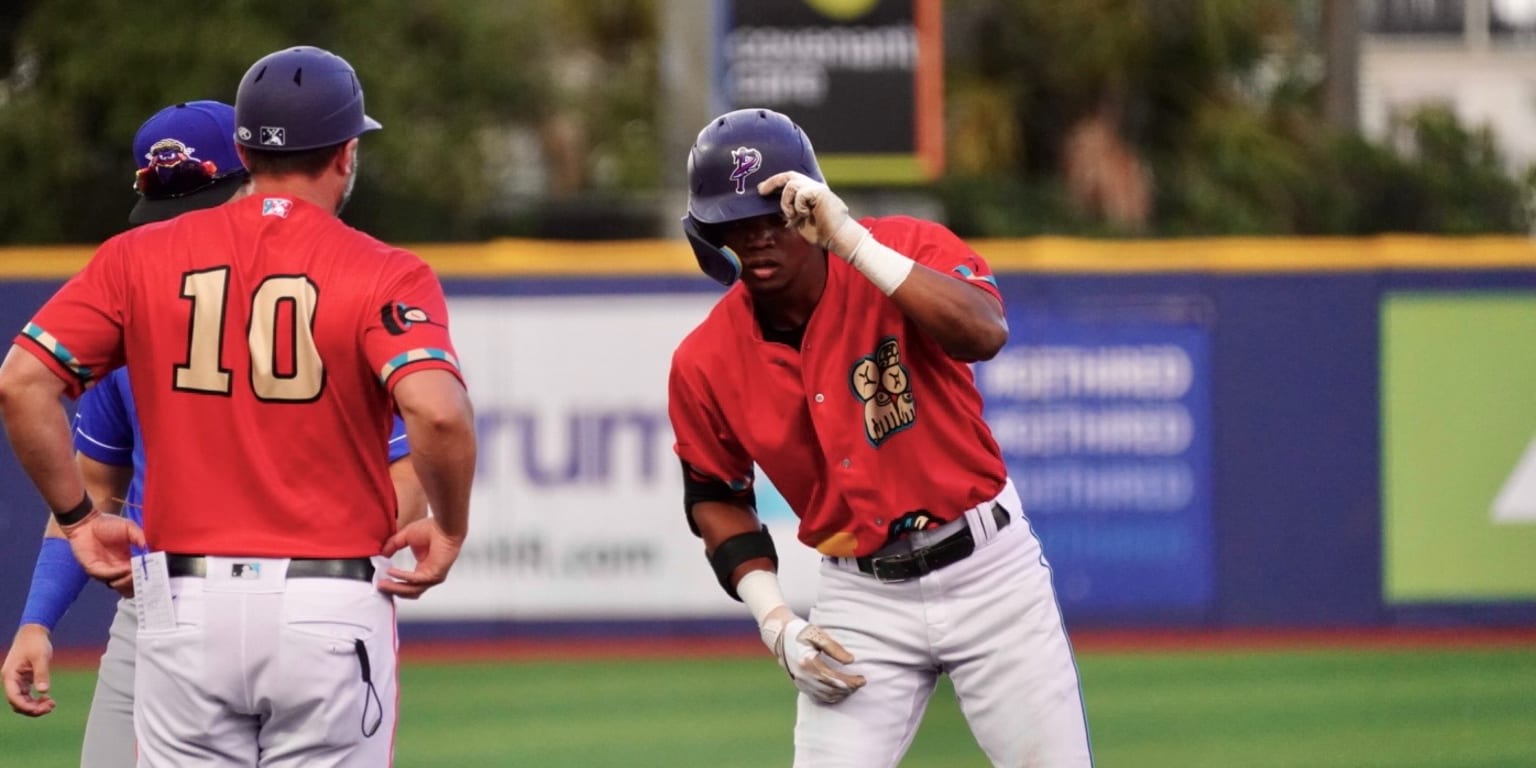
[635, 258]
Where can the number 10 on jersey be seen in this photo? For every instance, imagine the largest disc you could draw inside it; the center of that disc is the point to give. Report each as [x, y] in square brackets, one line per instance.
[285, 364]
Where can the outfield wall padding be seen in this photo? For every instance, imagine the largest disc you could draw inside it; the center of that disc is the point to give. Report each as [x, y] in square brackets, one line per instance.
[1237, 476]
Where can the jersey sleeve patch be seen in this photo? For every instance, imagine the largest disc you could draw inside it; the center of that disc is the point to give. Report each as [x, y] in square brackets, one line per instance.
[966, 272]
[59, 352]
[415, 356]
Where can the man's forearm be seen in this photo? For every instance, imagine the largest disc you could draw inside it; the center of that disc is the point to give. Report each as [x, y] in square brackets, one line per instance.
[38, 428]
[444, 459]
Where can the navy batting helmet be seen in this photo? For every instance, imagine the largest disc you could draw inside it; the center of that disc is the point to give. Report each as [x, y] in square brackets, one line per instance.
[300, 98]
[731, 155]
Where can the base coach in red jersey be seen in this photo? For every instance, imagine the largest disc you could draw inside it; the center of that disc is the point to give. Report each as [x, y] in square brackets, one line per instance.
[837, 362]
[268, 346]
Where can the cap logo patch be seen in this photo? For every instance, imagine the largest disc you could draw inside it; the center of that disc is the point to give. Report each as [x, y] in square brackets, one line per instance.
[747, 162]
[273, 136]
[244, 133]
[276, 206]
[169, 153]
[173, 170]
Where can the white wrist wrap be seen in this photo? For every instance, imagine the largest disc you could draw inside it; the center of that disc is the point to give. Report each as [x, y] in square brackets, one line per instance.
[884, 267]
[760, 591]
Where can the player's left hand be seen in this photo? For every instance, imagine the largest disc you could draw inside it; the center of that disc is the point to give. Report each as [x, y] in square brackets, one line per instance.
[102, 543]
[435, 553]
[26, 671]
[814, 211]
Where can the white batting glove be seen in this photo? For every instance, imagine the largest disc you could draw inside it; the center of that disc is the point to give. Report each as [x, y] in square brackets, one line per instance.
[803, 649]
[812, 209]
[822, 218]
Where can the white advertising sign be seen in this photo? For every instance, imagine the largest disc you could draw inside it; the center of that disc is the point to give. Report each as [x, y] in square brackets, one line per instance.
[577, 508]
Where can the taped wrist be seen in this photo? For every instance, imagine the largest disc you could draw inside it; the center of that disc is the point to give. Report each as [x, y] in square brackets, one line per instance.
[884, 267]
[56, 581]
[762, 595]
[739, 549]
[74, 516]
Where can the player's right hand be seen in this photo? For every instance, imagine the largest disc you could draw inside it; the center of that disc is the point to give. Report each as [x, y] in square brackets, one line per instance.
[102, 543]
[25, 671]
[813, 210]
[803, 650]
[435, 553]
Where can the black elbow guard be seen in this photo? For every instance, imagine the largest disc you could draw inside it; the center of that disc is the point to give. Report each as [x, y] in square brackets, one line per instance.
[699, 487]
[737, 550]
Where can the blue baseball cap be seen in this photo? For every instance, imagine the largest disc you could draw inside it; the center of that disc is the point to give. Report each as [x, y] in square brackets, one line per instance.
[187, 160]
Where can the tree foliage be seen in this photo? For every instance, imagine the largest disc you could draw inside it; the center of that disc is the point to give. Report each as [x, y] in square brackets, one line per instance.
[1216, 108]
[539, 117]
[449, 80]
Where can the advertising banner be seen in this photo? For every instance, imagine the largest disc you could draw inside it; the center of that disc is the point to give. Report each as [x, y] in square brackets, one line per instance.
[577, 510]
[1458, 446]
[578, 513]
[1104, 417]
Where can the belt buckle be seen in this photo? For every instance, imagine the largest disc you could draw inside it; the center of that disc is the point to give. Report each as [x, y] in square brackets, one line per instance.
[887, 570]
[903, 567]
[915, 563]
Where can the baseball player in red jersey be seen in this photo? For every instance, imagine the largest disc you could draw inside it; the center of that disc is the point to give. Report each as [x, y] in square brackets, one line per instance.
[845, 379]
[186, 160]
[267, 345]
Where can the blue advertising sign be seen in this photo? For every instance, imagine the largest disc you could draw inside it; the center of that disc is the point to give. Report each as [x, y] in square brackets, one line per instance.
[1104, 418]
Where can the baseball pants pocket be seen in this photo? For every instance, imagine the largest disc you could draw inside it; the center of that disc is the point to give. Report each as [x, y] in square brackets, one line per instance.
[333, 690]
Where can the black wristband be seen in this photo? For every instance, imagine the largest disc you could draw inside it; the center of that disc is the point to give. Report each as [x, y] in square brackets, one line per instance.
[80, 512]
[737, 550]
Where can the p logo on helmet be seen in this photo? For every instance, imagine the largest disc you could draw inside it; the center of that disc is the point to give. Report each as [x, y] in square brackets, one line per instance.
[733, 150]
[747, 161]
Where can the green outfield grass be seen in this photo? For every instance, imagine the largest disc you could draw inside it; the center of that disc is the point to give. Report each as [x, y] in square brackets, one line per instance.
[1314, 708]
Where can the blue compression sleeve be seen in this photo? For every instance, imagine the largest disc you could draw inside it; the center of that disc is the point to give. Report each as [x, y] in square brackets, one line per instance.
[56, 582]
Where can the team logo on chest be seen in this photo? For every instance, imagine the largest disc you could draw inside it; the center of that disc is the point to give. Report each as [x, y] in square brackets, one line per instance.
[881, 382]
[747, 162]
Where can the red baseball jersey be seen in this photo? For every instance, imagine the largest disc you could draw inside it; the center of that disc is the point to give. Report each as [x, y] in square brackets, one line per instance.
[868, 427]
[262, 339]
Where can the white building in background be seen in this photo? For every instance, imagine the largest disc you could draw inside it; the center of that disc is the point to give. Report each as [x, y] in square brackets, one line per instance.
[1478, 56]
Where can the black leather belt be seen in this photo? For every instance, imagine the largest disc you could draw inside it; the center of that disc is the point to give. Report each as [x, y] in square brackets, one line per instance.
[354, 568]
[911, 563]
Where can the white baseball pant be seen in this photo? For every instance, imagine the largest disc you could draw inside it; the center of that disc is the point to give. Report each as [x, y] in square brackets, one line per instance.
[990, 621]
[269, 671]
